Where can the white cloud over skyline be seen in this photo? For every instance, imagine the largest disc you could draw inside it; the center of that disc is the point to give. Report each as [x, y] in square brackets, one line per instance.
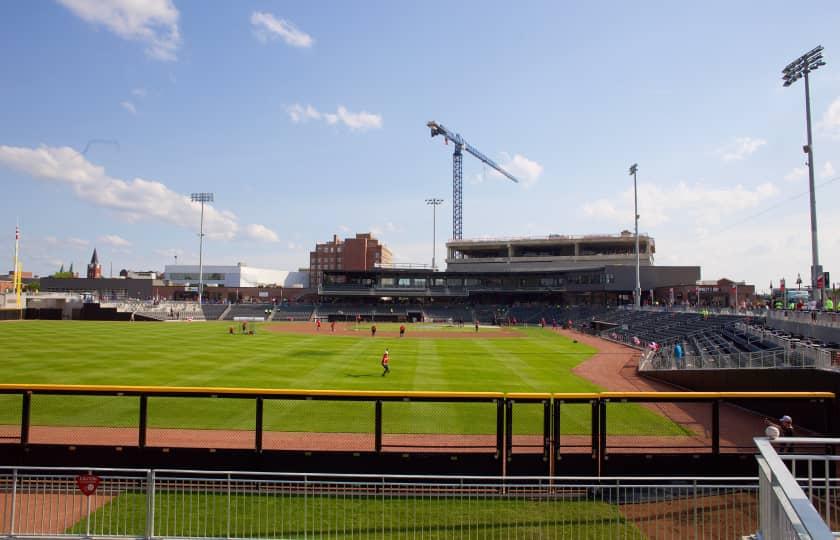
[152, 22]
[133, 200]
[114, 240]
[356, 121]
[267, 27]
[740, 148]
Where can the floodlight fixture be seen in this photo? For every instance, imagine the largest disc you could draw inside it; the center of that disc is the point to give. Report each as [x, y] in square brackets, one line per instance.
[799, 69]
[202, 198]
[637, 290]
[433, 202]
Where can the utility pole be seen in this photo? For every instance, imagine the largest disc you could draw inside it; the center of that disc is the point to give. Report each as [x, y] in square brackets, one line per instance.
[637, 291]
[798, 69]
[201, 198]
[434, 204]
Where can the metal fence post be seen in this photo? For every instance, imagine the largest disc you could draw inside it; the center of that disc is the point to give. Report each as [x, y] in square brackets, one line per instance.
[377, 421]
[556, 430]
[228, 504]
[716, 427]
[500, 428]
[594, 429]
[546, 430]
[144, 421]
[14, 502]
[25, 417]
[150, 504]
[509, 429]
[258, 429]
[602, 433]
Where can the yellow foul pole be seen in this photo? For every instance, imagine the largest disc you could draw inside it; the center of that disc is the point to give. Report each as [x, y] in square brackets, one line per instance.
[18, 281]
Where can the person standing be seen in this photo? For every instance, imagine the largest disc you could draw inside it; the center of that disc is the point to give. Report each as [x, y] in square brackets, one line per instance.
[785, 427]
[385, 361]
[402, 330]
[373, 331]
[318, 324]
[332, 326]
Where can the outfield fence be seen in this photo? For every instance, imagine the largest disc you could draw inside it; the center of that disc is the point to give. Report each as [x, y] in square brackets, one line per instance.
[501, 433]
[146, 503]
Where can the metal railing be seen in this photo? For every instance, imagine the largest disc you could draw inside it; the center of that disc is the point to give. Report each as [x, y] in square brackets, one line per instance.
[145, 503]
[819, 318]
[786, 511]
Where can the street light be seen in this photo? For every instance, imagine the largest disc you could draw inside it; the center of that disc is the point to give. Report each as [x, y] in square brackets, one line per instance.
[798, 69]
[201, 198]
[434, 204]
[637, 291]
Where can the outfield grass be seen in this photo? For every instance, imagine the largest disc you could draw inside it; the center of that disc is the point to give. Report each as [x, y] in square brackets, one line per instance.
[204, 354]
[342, 516]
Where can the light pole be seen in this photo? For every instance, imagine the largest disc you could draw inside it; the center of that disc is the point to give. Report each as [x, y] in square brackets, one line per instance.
[637, 291]
[201, 198]
[434, 204]
[798, 69]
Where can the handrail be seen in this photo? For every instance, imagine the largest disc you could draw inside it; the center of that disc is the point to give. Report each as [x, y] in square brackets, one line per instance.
[220, 391]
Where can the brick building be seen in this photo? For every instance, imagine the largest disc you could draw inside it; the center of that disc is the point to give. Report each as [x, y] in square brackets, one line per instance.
[364, 252]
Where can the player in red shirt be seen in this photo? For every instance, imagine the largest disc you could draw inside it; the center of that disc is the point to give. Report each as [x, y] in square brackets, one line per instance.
[385, 360]
[317, 324]
[332, 326]
[402, 330]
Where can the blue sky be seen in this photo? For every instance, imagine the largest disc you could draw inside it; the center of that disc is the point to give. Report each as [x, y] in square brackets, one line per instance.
[308, 119]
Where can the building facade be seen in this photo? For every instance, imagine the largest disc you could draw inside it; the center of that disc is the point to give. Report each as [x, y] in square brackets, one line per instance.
[362, 253]
[239, 275]
[547, 254]
[94, 269]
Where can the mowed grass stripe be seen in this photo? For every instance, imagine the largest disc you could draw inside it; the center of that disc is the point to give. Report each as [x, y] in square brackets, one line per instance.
[205, 354]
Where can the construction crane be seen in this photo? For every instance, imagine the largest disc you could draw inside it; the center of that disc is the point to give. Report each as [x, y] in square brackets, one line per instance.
[458, 173]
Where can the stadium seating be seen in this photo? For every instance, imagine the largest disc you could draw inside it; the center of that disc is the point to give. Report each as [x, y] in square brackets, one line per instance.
[249, 310]
[293, 312]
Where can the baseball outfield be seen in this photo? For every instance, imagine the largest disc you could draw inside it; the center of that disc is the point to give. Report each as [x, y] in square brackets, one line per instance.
[297, 356]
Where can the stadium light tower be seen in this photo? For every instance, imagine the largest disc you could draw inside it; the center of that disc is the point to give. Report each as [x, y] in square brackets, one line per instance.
[434, 204]
[798, 69]
[637, 291]
[201, 198]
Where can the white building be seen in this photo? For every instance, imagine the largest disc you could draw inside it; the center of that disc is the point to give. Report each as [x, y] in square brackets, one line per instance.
[240, 275]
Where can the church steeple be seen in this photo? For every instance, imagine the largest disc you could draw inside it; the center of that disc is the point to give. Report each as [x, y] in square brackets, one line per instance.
[94, 269]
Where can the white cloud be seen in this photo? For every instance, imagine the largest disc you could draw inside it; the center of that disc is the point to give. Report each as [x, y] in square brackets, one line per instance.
[702, 205]
[77, 242]
[114, 240]
[129, 106]
[139, 92]
[524, 169]
[153, 22]
[261, 233]
[356, 121]
[831, 118]
[740, 148]
[827, 170]
[797, 174]
[51, 240]
[133, 200]
[267, 27]
[344, 228]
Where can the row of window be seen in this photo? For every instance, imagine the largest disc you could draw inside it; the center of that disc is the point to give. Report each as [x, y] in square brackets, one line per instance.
[488, 282]
[177, 276]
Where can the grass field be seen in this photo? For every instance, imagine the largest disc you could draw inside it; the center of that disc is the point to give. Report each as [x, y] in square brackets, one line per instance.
[285, 516]
[204, 354]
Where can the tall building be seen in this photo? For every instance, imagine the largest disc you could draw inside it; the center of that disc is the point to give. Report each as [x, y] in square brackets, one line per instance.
[94, 269]
[364, 252]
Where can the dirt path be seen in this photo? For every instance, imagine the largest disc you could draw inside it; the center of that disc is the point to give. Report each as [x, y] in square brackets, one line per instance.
[613, 367]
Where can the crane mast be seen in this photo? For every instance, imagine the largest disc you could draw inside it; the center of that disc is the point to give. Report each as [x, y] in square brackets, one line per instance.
[458, 173]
